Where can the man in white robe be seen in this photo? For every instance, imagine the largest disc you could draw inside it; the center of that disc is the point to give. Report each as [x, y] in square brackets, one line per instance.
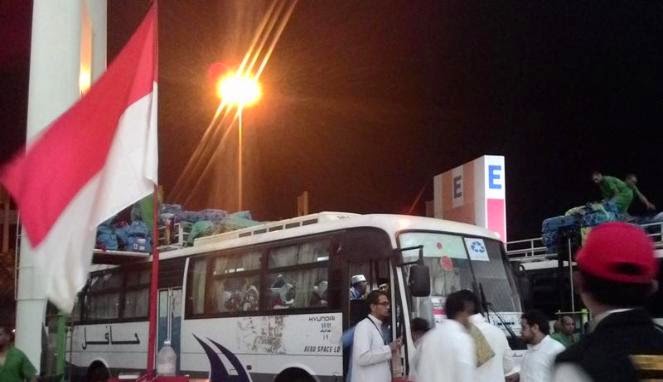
[371, 354]
[447, 352]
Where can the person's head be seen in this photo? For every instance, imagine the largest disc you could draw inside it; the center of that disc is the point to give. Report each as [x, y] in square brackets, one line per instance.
[534, 326]
[459, 306]
[557, 326]
[418, 327]
[616, 267]
[378, 303]
[631, 179]
[359, 282]
[597, 177]
[284, 290]
[567, 325]
[5, 336]
[321, 288]
[473, 299]
[252, 294]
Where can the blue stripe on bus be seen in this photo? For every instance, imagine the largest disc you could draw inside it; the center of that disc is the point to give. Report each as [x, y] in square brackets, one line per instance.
[218, 372]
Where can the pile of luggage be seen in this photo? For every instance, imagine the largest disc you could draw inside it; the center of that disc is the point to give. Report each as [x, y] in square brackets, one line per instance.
[205, 222]
[131, 229]
[576, 223]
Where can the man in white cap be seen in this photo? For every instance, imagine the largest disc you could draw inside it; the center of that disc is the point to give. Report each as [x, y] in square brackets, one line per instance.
[358, 288]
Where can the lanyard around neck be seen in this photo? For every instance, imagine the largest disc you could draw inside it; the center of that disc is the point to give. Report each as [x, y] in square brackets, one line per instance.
[384, 340]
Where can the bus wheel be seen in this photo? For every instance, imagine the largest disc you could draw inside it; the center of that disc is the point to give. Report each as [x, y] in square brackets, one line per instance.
[97, 373]
[294, 375]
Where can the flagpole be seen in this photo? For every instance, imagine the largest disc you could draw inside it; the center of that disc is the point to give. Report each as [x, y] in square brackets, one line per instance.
[154, 284]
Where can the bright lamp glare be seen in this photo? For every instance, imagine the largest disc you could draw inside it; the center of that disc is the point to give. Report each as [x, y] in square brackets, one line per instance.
[84, 80]
[237, 90]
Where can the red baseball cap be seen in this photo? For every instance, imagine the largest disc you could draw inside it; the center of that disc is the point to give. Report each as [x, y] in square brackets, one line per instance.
[619, 252]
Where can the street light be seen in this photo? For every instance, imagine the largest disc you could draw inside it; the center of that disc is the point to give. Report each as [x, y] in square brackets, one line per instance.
[239, 91]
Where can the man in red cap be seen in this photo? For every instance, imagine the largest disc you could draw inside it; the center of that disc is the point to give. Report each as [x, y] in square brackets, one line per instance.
[616, 274]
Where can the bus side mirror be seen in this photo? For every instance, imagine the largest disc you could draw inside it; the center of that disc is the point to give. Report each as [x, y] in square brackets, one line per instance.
[419, 280]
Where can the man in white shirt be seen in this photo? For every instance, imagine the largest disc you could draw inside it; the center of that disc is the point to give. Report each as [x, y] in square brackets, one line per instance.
[541, 351]
[501, 363]
[446, 353]
[418, 327]
[371, 354]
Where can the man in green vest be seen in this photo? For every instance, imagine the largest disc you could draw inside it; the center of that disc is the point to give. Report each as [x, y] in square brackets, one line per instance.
[619, 192]
[631, 180]
[565, 331]
[14, 365]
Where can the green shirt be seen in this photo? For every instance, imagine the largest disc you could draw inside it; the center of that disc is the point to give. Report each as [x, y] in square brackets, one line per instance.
[17, 367]
[564, 339]
[617, 190]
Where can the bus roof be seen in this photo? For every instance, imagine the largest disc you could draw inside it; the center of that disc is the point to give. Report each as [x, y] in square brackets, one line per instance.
[325, 222]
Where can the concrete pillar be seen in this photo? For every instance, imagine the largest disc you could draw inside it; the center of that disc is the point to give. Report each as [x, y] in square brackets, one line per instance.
[53, 88]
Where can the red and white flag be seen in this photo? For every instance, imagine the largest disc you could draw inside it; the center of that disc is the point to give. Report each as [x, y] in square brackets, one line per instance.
[91, 162]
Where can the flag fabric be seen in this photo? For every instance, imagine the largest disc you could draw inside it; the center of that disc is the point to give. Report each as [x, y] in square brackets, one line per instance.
[91, 162]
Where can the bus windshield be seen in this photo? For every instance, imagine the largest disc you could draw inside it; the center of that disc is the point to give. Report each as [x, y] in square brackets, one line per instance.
[460, 262]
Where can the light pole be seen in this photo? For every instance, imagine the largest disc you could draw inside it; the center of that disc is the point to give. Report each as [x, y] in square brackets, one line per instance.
[239, 91]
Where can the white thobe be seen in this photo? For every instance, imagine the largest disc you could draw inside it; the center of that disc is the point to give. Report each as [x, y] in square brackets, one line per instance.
[538, 360]
[497, 367]
[446, 354]
[370, 356]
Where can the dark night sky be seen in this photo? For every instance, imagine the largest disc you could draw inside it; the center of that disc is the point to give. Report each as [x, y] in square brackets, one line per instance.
[366, 100]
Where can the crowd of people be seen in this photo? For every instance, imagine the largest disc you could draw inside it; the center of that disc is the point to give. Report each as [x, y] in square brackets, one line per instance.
[617, 271]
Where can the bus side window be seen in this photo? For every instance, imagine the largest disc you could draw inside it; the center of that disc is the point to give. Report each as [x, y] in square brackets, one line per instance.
[298, 275]
[76, 313]
[236, 282]
[298, 289]
[103, 298]
[197, 286]
[136, 298]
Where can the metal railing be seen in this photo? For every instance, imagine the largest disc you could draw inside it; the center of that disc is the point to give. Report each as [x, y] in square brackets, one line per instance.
[655, 232]
[533, 249]
[172, 237]
[528, 250]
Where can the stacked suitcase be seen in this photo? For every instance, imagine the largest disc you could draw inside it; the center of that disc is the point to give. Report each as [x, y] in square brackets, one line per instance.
[556, 228]
[576, 224]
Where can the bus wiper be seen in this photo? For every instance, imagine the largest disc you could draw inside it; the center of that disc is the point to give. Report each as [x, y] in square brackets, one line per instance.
[489, 306]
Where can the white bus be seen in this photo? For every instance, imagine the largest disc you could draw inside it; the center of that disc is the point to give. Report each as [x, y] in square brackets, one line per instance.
[270, 302]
